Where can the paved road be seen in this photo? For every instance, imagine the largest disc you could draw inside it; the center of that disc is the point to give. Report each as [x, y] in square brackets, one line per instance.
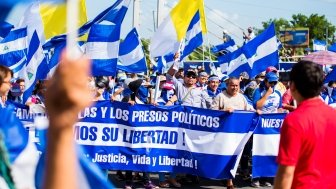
[204, 183]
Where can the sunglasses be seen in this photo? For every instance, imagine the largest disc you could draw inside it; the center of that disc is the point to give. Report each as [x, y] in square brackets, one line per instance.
[273, 82]
[191, 76]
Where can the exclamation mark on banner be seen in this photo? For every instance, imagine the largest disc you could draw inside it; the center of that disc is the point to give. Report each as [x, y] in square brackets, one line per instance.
[183, 135]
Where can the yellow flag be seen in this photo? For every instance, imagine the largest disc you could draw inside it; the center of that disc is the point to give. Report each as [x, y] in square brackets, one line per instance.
[182, 14]
[53, 17]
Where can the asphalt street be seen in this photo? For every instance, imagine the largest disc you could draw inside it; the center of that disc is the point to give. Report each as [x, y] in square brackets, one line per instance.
[204, 183]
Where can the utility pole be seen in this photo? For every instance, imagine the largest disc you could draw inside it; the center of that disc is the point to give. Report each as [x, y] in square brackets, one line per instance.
[136, 14]
[327, 37]
[160, 11]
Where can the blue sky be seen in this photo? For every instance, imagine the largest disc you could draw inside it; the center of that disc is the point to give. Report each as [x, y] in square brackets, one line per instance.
[230, 15]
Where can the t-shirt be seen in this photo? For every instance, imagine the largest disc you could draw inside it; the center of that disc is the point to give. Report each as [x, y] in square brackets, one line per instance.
[307, 141]
[224, 101]
[272, 103]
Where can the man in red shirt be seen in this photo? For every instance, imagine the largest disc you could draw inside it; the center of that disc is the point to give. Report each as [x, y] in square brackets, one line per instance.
[307, 142]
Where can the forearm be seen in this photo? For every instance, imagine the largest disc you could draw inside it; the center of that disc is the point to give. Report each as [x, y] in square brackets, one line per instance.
[284, 177]
[61, 160]
[260, 103]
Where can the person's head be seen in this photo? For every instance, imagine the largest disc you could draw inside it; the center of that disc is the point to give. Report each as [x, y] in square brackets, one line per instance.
[140, 89]
[40, 88]
[249, 29]
[21, 83]
[271, 69]
[332, 84]
[180, 73]
[271, 79]
[203, 78]
[233, 86]
[213, 82]
[5, 80]
[163, 80]
[306, 79]
[190, 78]
[244, 76]
[260, 77]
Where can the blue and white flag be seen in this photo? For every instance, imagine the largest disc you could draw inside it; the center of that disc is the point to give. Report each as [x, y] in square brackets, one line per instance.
[319, 45]
[14, 49]
[103, 48]
[228, 46]
[131, 55]
[114, 14]
[266, 138]
[255, 56]
[36, 67]
[158, 138]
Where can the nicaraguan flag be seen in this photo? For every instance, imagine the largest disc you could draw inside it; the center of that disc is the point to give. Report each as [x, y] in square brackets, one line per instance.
[131, 55]
[36, 67]
[103, 48]
[255, 56]
[319, 45]
[229, 46]
[13, 49]
[172, 31]
[193, 37]
[114, 14]
[266, 138]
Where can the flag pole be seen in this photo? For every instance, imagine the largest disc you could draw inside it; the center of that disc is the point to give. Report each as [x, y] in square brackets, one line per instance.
[72, 33]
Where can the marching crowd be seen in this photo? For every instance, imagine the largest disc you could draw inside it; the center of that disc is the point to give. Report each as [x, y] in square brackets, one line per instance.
[268, 92]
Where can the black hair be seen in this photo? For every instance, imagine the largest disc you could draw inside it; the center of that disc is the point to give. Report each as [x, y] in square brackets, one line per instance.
[308, 78]
[4, 71]
[101, 82]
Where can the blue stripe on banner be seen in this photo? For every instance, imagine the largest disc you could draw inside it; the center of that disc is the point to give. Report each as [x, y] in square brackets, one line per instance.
[270, 123]
[264, 166]
[155, 160]
[104, 67]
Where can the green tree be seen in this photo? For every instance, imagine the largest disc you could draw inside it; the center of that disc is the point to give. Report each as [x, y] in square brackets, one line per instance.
[318, 26]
